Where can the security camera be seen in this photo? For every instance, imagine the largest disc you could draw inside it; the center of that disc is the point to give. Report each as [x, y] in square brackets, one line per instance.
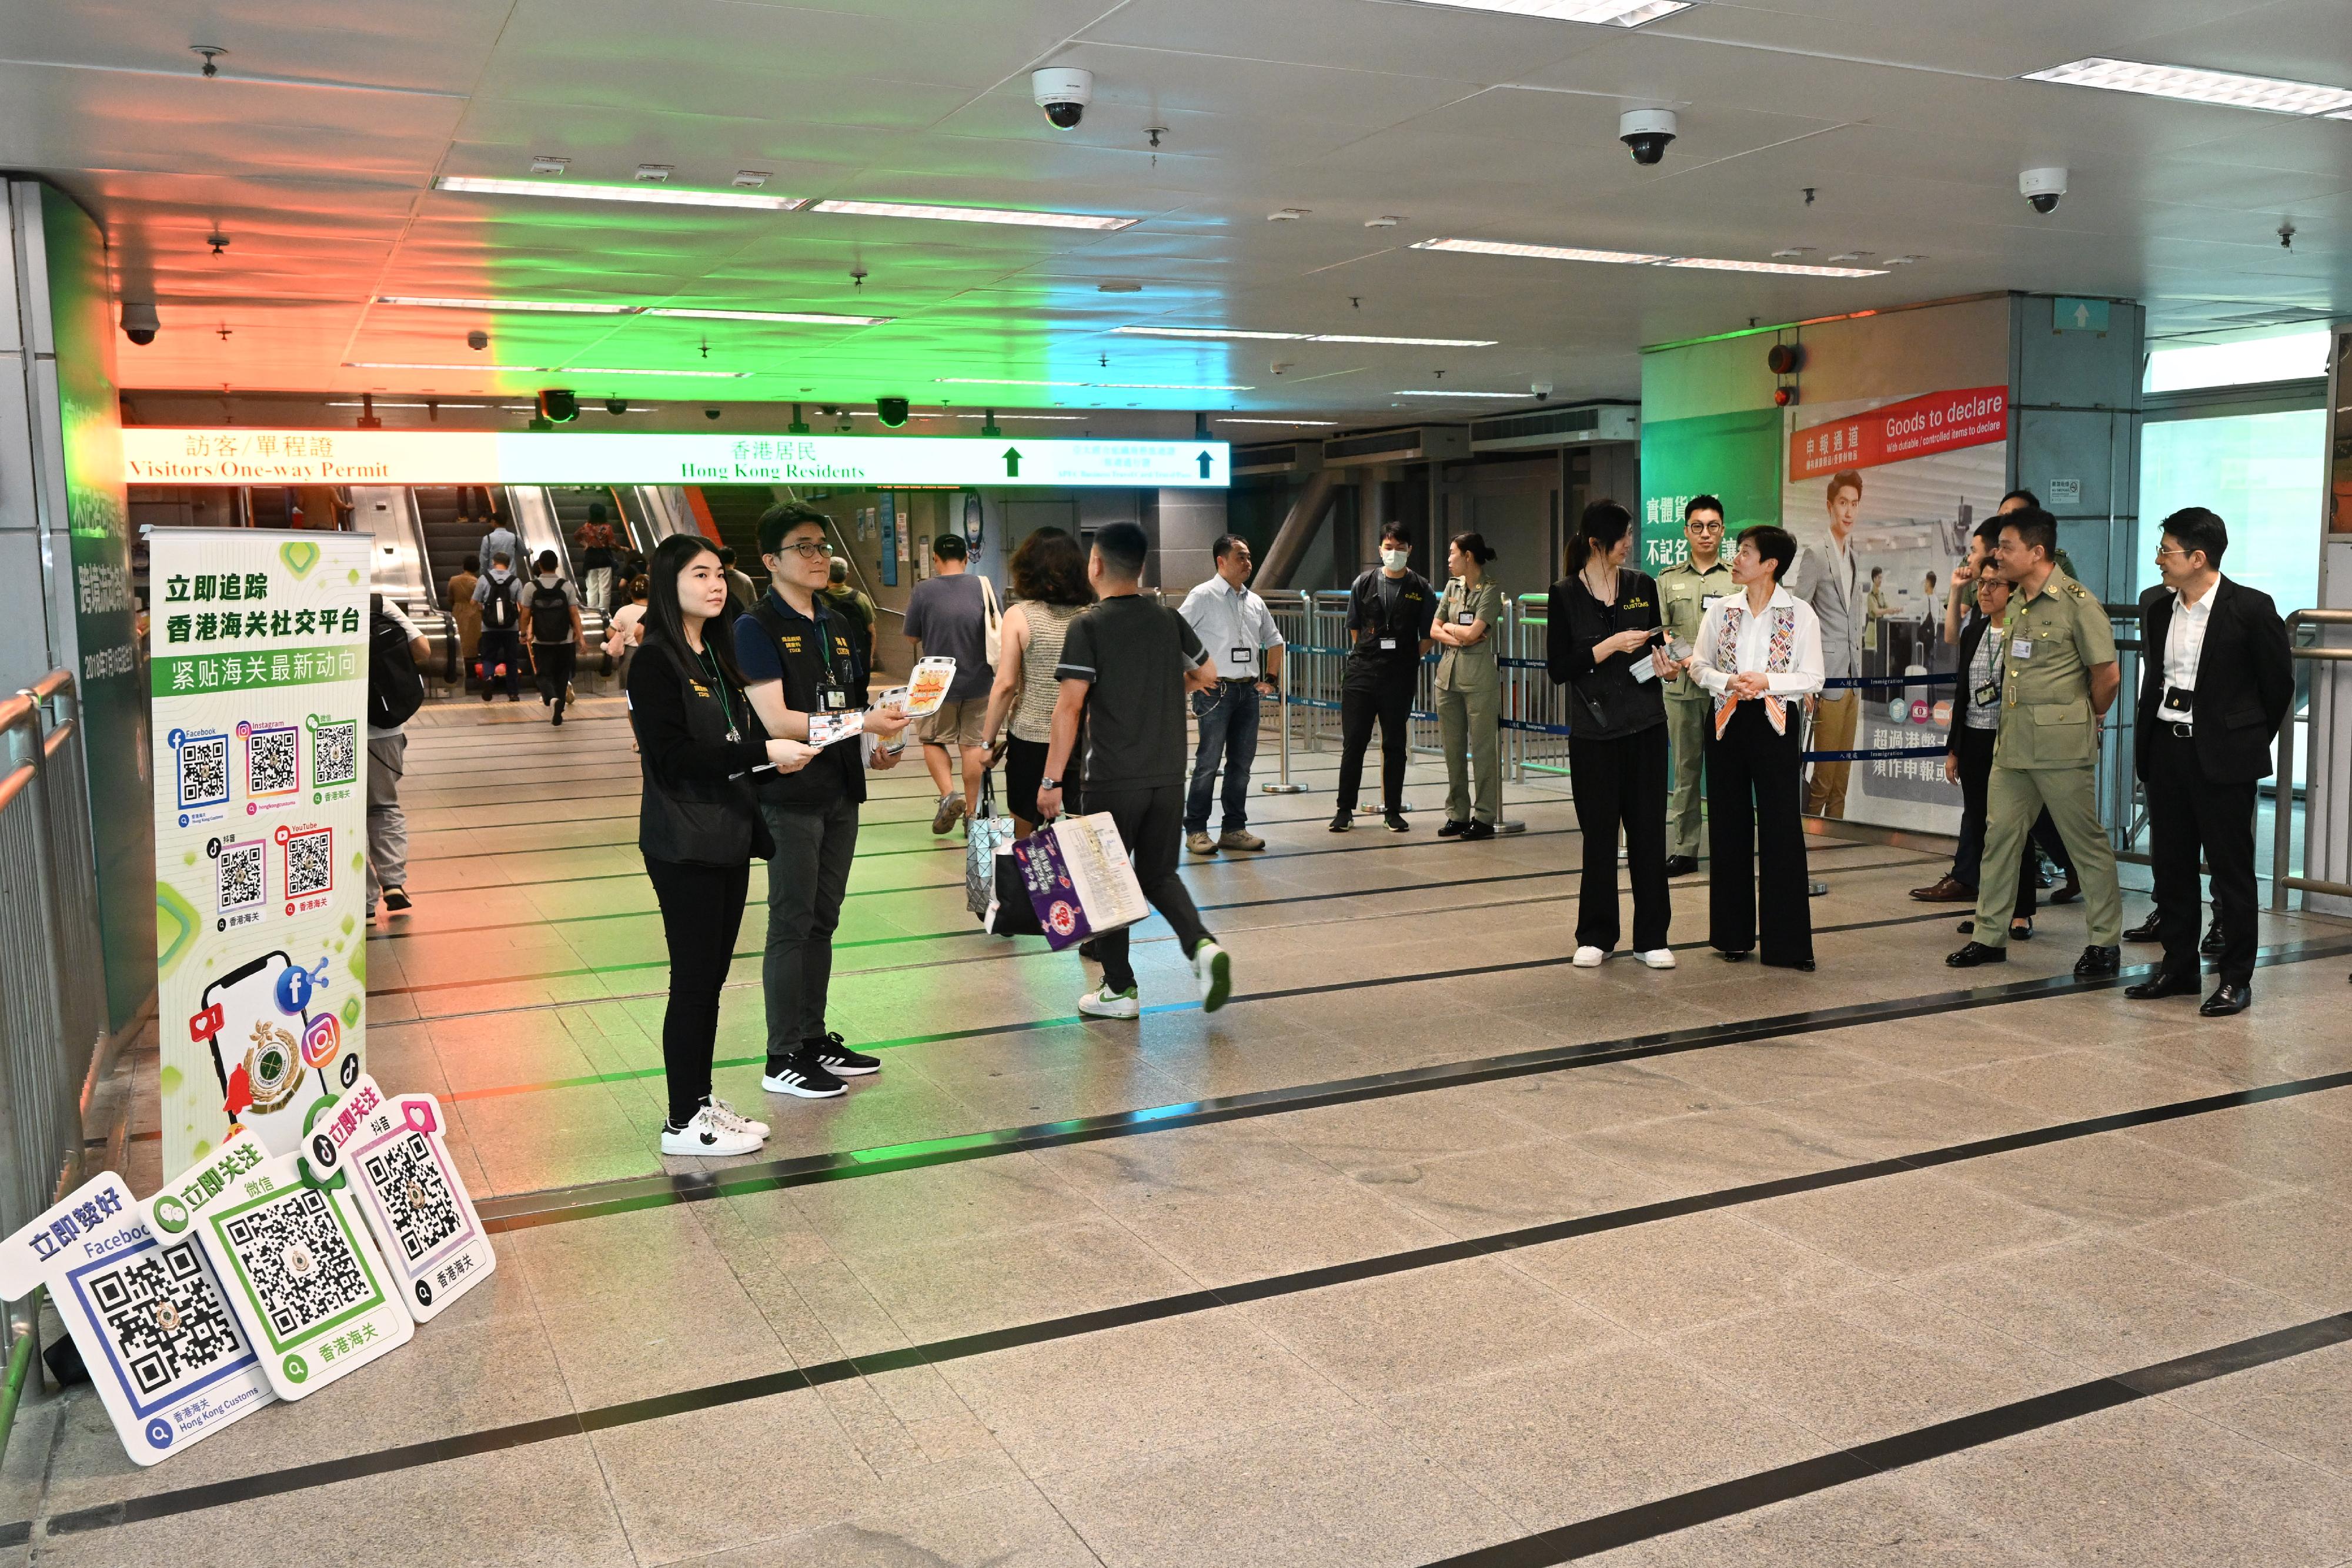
[1647, 131]
[2043, 188]
[1062, 94]
[710, 414]
[478, 340]
[139, 322]
[558, 406]
[1541, 389]
[616, 405]
[891, 411]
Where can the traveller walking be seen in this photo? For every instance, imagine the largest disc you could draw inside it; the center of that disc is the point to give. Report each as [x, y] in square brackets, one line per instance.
[1469, 686]
[626, 634]
[395, 691]
[949, 615]
[698, 828]
[594, 540]
[1126, 664]
[466, 613]
[1238, 629]
[550, 623]
[1050, 587]
[502, 540]
[1389, 611]
[499, 594]
[1757, 653]
[1688, 588]
[1605, 644]
[860, 612]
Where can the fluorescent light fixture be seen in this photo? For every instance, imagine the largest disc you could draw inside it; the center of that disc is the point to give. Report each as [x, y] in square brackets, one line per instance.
[614, 371]
[1511, 396]
[2190, 85]
[1221, 332]
[814, 317]
[1415, 342]
[435, 403]
[663, 195]
[1608, 13]
[1169, 386]
[1787, 269]
[403, 365]
[1019, 217]
[1632, 258]
[1318, 423]
[554, 307]
[1057, 418]
[996, 381]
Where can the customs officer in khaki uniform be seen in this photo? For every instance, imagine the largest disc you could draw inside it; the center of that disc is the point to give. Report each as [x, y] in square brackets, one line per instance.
[1687, 588]
[2058, 677]
[1469, 690]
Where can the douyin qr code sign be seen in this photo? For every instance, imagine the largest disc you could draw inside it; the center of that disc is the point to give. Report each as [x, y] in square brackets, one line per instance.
[240, 873]
[415, 1202]
[334, 754]
[204, 770]
[272, 761]
[407, 1180]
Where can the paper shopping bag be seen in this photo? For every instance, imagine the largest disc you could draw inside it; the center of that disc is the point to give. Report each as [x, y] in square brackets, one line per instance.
[1079, 879]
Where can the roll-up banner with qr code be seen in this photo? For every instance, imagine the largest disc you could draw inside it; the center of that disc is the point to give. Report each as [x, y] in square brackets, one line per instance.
[170, 1361]
[257, 642]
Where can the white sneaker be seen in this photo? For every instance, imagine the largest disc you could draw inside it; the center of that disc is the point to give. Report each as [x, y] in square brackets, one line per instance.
[1212, 972]
[1102, 1002]
[1658, 957]
[1587, 957]
[734, 1120]
[707, 1135]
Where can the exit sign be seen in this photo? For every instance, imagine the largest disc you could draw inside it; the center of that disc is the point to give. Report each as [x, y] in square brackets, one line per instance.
[2078, 315]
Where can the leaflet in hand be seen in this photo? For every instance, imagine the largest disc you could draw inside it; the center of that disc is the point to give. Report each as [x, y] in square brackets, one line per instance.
[825, 729]
[927, 688]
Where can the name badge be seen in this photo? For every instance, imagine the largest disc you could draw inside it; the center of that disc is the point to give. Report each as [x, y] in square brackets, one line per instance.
[1988, 694]
[1244, 656]
[2021, 649]
[1707, 601]
[1388, 644]
[1465, 619]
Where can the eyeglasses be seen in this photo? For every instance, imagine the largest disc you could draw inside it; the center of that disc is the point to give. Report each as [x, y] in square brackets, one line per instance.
[808, 550]
[1697, 527]
[2163, 550]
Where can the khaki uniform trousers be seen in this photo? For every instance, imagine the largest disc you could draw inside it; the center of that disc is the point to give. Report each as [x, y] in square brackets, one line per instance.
[1834, 719]
[1469, 719]
[2014, 796]
[1686, 722]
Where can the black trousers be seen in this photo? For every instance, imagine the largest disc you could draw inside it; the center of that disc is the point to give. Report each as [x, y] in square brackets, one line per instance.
[2189, 815]
[807, 882]
[1151, 824]
[553, 662]
[502, 645]
[1382, 692]
[1622, 783]
[1755, 794]
[1974, 747]
[701, 910]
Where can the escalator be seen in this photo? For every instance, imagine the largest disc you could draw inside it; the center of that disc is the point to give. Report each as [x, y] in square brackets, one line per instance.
[735, 512]
[453, 528]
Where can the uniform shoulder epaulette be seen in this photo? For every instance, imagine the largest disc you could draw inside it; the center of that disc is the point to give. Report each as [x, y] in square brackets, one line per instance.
[2078, 590]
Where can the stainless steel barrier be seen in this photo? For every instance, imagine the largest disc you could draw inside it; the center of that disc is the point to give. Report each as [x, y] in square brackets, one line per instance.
[2283, 807]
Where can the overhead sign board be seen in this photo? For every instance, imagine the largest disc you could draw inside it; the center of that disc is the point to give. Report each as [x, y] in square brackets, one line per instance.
[154, 454]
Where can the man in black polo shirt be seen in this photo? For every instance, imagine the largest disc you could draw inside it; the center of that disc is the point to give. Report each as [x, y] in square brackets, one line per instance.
[800, 662]
[1126, 664]
[1389, 613]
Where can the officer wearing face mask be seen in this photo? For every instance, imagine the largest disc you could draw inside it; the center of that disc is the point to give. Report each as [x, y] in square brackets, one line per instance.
[1389, 611]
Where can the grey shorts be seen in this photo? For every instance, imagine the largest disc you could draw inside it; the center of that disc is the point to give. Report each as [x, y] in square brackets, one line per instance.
[956, 724]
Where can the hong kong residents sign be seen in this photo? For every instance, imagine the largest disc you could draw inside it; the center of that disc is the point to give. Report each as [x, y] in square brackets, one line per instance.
[258, 643]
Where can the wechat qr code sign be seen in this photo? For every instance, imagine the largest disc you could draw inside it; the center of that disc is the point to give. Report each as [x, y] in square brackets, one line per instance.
[204, 770]
[296, 1258]
[334, 754]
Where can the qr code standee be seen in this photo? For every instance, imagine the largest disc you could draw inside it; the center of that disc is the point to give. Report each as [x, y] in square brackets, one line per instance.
[163, 1318]
[334, 754]
[298, 1262]
[203, 771]
[241, 875]
[273, 762]
[309, 863]
[417, 1202]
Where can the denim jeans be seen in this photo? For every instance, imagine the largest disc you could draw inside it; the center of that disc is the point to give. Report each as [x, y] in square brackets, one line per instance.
[1227, 713]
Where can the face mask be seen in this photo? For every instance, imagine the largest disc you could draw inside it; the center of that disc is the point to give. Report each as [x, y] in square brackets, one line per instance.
[1394, 559]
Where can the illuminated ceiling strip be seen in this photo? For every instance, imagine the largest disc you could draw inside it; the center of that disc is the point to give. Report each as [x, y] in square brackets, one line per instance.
[813, 317]
[1788, 268]
[2189, 84]
[1606, 13]
[1015, 217]
[1429, 393]
[1219, 332]
[487, 369]
[1318, 423]
[553, 306]
[602, 307]
[1095, 386]
[625, 370]
[996, 381]
[1636, 258]
[656, 194]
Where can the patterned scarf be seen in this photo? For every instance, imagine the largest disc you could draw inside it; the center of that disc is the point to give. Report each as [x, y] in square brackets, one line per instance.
[1779, 657]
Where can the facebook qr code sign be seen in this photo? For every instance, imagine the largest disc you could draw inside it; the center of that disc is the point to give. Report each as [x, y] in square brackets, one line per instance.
[273, 761]
[203, 767]
[170, 1360]
[334, 754]
[308, 1286]
[397, 1153]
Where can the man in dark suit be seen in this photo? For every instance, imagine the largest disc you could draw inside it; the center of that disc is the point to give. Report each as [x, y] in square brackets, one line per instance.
[2215, 679]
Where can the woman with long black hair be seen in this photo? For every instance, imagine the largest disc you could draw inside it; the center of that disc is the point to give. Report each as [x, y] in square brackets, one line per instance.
[698, 824]
[1602, 645]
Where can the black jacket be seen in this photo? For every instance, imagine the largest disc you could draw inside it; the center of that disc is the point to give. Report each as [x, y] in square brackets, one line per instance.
[1608, 702]
[681, 719]
[2245, 681]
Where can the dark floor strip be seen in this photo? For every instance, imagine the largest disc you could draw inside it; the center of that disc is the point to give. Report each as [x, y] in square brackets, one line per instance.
[560, 1204]
[1646, 1521]
[1816, 1473]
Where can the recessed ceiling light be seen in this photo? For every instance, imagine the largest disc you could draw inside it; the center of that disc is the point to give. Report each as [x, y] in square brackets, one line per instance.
[1610, 13]
[1382, 222]
[750, 179]
[400, 365]
[814, 317]
[1431, 392]
[1849, 256]
[1903, 260]
[546, 164]
[1789, 269]
[615, 371]
[2190, 85]
[1318, 423]
[656, 173]
[1288, 215]
[666, 196]
[1018, 217]
[554, 307]
[1791, 252]
[1631, 258]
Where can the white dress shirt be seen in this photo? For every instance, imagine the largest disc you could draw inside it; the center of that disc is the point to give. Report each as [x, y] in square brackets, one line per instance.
[1802, 679]
[2184, 645]
[1233, 624]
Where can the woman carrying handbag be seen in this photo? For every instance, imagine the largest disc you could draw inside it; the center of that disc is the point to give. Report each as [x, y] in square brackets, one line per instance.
[698, 824]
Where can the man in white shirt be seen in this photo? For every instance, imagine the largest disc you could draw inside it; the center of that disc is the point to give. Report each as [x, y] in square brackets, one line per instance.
[1237, 629]
[1828, 578]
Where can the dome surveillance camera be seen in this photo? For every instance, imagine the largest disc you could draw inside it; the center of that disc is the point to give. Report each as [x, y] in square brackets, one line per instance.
[139, 322]
[1647, 131]
[710, 414]
[478, 340]
[1541, 389]
[616, 405]
[891, 411]
[558, 406]
[2043, 188]
[1062, 94]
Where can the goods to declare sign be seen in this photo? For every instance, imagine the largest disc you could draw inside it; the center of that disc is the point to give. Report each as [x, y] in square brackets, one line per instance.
[155, 454]
[1898, 431]
[258, 658]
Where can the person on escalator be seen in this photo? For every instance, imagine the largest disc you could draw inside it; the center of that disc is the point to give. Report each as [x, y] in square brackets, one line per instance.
[501, 540]
[499, 594]
[468, 613]
[550, 623]
[594, 540]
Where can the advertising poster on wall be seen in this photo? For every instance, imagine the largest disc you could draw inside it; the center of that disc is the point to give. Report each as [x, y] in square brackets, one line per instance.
[257, 653]
[1734, 457]
[1882, 496]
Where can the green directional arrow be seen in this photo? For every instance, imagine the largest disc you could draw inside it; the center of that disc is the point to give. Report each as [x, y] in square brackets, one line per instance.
[1012, 463]
[1205, 462]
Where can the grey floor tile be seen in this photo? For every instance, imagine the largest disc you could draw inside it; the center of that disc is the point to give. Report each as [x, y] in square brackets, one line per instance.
[1685, 1272]
[2301, 1406]
[948, 1289]
[1910, 1223]
[1000, 1527]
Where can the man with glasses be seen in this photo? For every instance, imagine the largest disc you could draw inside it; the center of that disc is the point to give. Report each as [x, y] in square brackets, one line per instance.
[1687, 588]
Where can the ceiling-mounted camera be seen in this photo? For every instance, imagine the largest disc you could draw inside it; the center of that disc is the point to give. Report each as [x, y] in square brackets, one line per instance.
[891, 411]
[478, 340]
[558, 406]
[710, 414]
[616, 405]
[139, 323]
[1062, 94]
[1647, 131]
[2043, 188]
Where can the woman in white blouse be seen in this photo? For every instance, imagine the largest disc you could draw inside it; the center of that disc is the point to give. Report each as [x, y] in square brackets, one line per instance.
[1759, 655]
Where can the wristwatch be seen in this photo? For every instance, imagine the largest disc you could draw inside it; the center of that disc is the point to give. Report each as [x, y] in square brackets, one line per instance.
[1049, 783]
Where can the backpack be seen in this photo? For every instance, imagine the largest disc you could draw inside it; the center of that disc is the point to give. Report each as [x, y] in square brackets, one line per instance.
[549, 606]
[498, 605]
[395, 691]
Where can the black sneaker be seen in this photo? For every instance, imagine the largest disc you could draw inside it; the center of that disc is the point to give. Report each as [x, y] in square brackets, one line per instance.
[801, 1076]
[1343, 821]
[396, 899]
[1477, 830]
[1395, 823]
[837, 1058]
[1453, 829]
[559, 711]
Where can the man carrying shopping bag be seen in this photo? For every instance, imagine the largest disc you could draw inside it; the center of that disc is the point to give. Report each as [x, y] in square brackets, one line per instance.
[1127, 666]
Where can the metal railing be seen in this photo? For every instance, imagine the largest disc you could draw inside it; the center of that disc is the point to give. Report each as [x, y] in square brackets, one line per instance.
[2282, 795]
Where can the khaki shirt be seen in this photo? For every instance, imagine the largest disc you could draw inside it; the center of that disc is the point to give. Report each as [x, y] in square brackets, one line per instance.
[2049, 644]
[1687, 591]
[1472, 668]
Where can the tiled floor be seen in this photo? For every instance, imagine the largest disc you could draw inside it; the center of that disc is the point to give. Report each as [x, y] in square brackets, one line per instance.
[1429, 1248]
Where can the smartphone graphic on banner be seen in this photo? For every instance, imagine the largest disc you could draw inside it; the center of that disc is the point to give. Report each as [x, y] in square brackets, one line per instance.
[258, 1048]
